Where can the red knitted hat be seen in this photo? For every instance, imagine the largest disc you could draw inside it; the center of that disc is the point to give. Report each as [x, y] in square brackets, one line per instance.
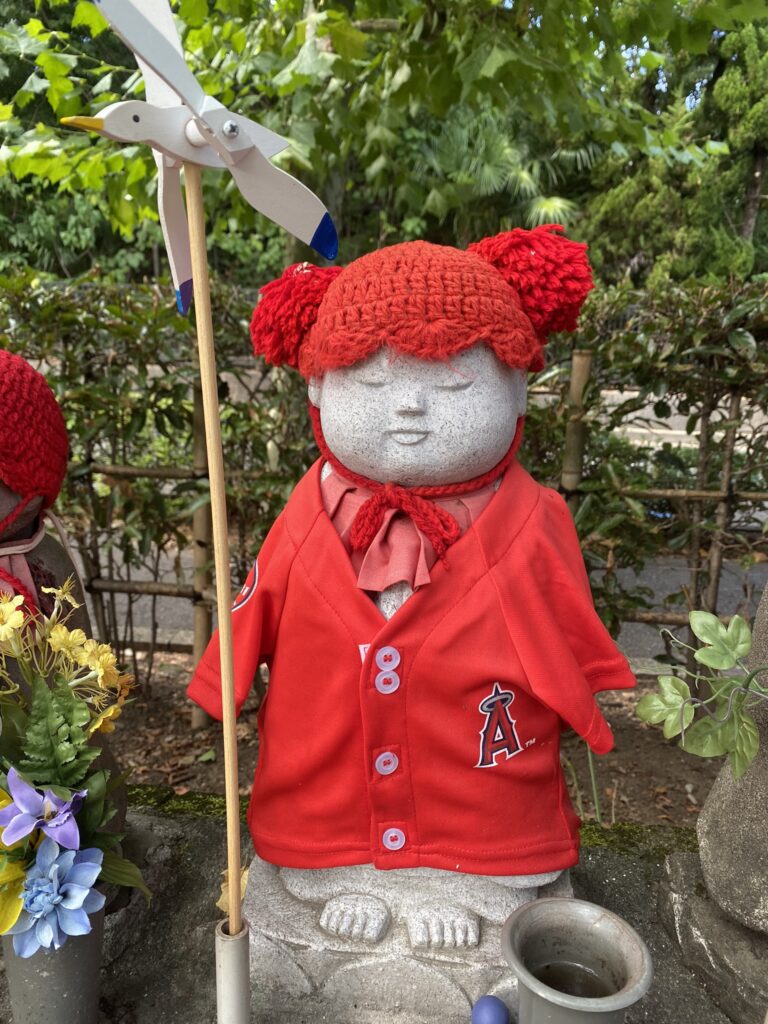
[429, 301]
[33, 438]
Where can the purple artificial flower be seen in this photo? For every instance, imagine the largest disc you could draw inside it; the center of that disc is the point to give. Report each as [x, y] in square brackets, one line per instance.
[32, 809]
[57, 898]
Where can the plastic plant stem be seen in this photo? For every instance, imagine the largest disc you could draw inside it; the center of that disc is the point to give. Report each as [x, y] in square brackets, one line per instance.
[204, 321]
[577, 788]
[595, 792]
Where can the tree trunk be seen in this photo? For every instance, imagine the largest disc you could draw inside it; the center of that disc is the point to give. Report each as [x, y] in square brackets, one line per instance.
[754, 193]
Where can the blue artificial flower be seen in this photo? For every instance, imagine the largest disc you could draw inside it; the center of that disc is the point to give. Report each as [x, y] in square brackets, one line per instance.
[32, 809]
[57, 898]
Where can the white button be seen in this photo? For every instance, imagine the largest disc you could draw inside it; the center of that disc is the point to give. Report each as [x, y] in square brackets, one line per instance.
[387, 682]
[387, 657]
[386, 763]
[394, 839]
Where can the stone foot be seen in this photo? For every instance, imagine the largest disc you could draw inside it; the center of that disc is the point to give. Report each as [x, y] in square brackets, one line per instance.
[442, 926]
[352, 916]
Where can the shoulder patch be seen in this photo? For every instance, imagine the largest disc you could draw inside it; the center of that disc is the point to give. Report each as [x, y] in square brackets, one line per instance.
[249, 588]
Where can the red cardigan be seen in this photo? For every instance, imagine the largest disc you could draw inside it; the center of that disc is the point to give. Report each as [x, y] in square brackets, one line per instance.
[431, 739]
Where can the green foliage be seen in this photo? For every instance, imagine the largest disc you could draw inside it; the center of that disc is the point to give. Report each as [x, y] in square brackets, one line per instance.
[456, 115]
[670, 706]
[654, 219]
[56, 751]
[727, 727]
[116, 870]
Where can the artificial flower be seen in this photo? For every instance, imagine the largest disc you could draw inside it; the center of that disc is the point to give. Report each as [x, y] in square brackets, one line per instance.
[31, 809]
[99, 658]
[65, 640]
[105, 721]
[11, 880]
[11, 617]
[64, 592]
[57, 897]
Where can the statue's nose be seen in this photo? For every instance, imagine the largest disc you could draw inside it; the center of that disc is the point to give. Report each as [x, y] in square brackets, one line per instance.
[414, 403]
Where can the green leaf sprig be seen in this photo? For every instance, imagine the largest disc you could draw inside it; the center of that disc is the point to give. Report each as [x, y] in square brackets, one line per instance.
[726, 725]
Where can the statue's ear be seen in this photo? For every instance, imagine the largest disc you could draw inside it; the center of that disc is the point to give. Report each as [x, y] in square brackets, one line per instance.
[549, 272]
[286, 311]
[520, 391]
[314, 390]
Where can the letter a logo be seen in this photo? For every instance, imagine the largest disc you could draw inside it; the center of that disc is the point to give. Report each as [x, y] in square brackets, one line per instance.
[498, 735]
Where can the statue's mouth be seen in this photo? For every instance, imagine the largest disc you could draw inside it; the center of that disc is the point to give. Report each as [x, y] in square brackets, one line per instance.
[409, 437]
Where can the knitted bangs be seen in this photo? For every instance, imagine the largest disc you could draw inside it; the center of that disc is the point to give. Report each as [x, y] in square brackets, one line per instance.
[427, 301]
[423, 300]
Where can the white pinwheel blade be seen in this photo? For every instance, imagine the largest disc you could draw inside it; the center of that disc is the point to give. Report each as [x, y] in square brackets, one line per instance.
[173, 220]
[286, 201]
[157, 90]
[155, 50]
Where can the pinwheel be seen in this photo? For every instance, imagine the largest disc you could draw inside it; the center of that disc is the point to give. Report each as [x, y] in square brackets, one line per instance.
[183, 124]
[187, 128]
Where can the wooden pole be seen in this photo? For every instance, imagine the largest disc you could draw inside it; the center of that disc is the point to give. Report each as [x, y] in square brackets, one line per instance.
[204, 320]
[575, 429]
[201, 550]
[724, 506]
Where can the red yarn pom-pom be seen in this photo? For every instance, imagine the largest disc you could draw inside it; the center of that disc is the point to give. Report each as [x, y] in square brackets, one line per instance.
[286, 311]
[550, 273]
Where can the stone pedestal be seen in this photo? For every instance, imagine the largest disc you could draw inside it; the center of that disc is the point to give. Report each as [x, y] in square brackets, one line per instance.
[716, 902]
[733, 825]
[296, 964]
[730, 959]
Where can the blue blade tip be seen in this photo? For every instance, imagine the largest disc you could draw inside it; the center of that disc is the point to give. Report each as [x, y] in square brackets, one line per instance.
[325, 240]
[184, 296]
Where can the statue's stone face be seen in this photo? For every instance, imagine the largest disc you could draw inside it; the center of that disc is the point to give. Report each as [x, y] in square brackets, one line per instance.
[421, 422]
[23, 526]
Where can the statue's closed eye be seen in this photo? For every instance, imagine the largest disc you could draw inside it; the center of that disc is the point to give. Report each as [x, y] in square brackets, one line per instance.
[455, 385]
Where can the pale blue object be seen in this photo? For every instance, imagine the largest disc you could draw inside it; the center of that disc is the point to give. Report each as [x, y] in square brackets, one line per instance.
[57, 897]
[490, 1010]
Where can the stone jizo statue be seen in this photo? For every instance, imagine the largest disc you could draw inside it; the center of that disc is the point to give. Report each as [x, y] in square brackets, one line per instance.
[33, 463]
[421, 603]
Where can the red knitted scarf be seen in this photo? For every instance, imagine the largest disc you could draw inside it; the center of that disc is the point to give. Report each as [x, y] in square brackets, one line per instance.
[437, 525]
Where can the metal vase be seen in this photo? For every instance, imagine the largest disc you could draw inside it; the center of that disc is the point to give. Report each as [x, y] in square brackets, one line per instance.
[57, 986]
[575, 962]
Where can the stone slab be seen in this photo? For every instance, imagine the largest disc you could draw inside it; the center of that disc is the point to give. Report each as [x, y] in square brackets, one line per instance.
[731, 960]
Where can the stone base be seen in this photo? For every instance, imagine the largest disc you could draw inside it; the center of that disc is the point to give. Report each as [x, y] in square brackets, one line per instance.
[297, 968]
[731, 960]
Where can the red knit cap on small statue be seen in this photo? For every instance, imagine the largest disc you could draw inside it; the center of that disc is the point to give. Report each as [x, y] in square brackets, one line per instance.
[33, 438]
[428, 301]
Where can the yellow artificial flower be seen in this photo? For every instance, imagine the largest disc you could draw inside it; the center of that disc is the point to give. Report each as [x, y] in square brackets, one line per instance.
[11, 617]
[124, 687]
[10, 899]
[64, 592]
[12, 875]
[105, 721]
[66, 641]
[99, 658]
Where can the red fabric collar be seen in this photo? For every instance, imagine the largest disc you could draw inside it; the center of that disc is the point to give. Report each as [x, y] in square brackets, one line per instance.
[436, 523]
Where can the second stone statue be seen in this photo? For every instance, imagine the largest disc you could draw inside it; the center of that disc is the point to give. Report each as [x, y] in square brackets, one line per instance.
[425, 614]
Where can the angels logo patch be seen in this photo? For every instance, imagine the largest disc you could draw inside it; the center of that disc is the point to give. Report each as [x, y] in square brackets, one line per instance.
[249, 588]
[498, 735]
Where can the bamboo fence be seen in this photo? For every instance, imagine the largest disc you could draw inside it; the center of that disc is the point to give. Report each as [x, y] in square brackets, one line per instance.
[202, 596]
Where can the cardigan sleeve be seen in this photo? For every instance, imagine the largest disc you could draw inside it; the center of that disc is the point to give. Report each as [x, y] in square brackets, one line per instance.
[255, 617]
[565, 650]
